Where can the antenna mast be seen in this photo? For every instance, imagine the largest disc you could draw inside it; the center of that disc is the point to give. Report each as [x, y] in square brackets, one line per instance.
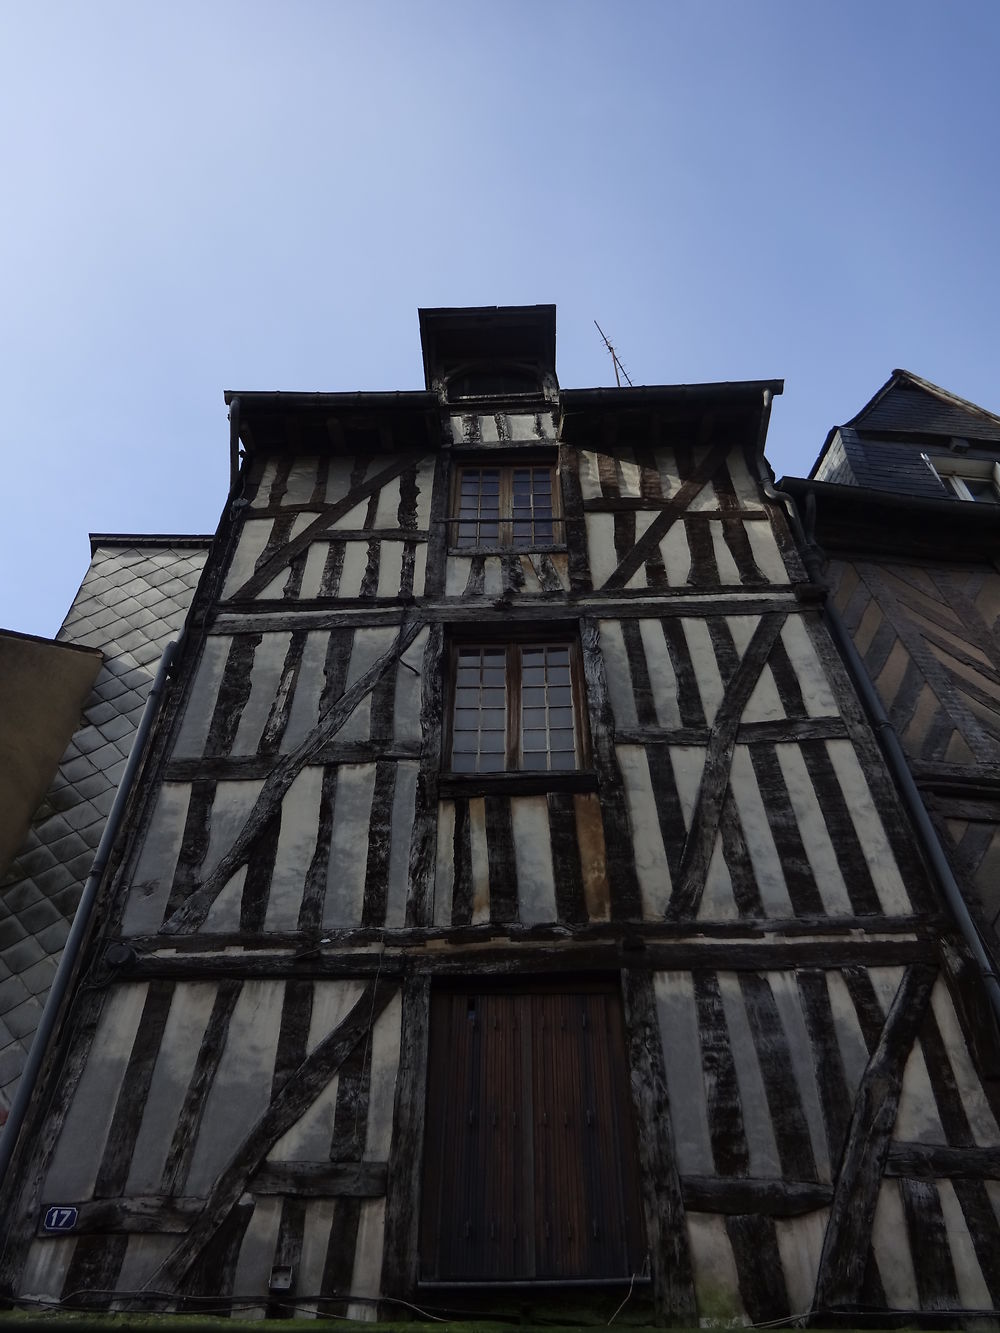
[614, 358]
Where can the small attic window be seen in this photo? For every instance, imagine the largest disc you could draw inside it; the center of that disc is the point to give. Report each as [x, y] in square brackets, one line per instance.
[492, 382]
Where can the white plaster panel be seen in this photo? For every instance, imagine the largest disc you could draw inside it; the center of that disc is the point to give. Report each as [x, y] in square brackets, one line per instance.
[601, 547]
[301, 481]
[201, 698]
[630, 475]
[647, 840]
[816, 692]
[369, 646]
[747, 489]
[403, 806]
[406, 707]
[419, 569]
[716, 1280]
[666, 463]
[444, 880]
[717, 901]
[233, 803]
[662, 680]
[676, 555]
[757, 833]
[154, 874]
[224, 914]
[268, 664]
[973, 1293]
[296, 846]
[190, 1010]
[488, 432]
[345, 881]
[390, 569]
[800, 1244]
[354, 518]
[532, 586]
[536, 886]
[850, 1038]
[493, 576]
[590, 479]
[871, 832]
[618, 676]
[729, 571]
[977, 1108]
[241, 1089]
[263, 497]
[387, 508]
[764, 1159]
[522, 426]
[46, 1268]
[688, 763]
[338, 478]
[275, 589]
[253, 1267]
[309, 1138]
[425, 484]
[353, 571]
[890, 1239]
[816, 840]
[479, 857]
[143, 1256]
[366, 1279]
[764, 705]
[253, 539]
[457, 570]
[678, 1021]
[917, 1120]
[315, 1240]
[84, 1133]
[332, 1002]
[800, 1047]
[384, 1064]
[312, 574]
[704, 665]
[765, 551]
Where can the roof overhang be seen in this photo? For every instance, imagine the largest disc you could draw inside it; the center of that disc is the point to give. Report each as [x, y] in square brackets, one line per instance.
[742, 406]
[462, 335]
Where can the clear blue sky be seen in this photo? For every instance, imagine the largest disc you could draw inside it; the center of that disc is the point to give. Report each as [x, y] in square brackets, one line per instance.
[199, 196]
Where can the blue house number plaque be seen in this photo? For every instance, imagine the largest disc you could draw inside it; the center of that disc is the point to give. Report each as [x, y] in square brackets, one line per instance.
[60, 1219]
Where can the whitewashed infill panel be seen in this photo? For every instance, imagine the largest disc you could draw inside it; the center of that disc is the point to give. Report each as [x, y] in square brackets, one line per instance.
[816, 692]
[647, 840]
[256, 1259]
[304, 713]
[601, 547]
[536, 886]
[716, 1279]
[981, 1119]
[355, 564]
[643, 519]
[706, 501]
[973, 1292]
[729, 570]
[457, 572]
[757, 1125]
[532, 586]
[688, 764]
[338, 478]
[200, 703]
[345, 881]
[425, 484]
[84, 1133]
[718, 902]
[419, 569]
[241, 1089]
[263, 497]
[757, 834]
[225, 912]
[387, 506]
[489, 430]
[301, 480]
[766, 552]
[252, 540]
[593, 856]
[300, 812]
[312, 574]
[268, 664]
[666, 464]
[390, 569]
[444, 879]
[870, 829]
[480, 861]
[154, 873]
[800, 1244]
[143, 1256]
[403, 806]
[46, 1268]
[492, 577]
[800, 1049]
[382, 1087]
[704, 665]
[309, 1139]
[190, 1010]
[891, 1243]
[629, 485]
[406, 706]
[816, 840]
[590, 480]
[233, 803]
[678, 1020]
[369, 646]
[662, 679]
[618, 676]
[917, 1120]
[850, 1038]
[676, 555]
[747, 488]
[276, 587]
[315, 1241]
[366, 1280]
[332, 1002]
[764, 705]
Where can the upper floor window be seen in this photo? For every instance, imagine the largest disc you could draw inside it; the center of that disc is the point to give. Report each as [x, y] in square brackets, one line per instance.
[492, 382]
[516, 707]
[510, 507]
[969, 478]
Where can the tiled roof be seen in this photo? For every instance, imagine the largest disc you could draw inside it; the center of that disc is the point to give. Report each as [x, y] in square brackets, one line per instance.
[134, 597]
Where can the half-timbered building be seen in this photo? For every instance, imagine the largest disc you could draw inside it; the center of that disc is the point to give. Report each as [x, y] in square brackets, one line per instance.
[514, 907]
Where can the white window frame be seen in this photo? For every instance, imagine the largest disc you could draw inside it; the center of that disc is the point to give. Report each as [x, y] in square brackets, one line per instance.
[953, 473]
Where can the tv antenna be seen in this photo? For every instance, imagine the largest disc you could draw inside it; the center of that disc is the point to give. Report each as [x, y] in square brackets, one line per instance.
[614, 357]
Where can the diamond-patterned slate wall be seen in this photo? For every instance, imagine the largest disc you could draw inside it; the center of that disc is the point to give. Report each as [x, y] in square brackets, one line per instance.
[134, 597]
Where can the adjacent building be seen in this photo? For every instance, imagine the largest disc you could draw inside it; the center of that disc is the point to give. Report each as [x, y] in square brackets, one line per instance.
[515, 910]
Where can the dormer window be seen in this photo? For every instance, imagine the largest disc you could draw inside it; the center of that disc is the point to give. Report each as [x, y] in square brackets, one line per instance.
[975, 479]
[493, 382]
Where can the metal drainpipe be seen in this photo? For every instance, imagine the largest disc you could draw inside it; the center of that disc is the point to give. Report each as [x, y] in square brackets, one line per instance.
[892, 749]
[81, 921]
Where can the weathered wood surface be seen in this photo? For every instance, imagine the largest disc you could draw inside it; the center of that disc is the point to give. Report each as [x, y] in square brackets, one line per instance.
[779, 1197]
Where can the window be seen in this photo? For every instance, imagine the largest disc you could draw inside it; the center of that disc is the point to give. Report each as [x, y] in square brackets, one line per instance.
[492, 382]
[530, 1165]
[516, 707]
[975, 479]
[506, 508]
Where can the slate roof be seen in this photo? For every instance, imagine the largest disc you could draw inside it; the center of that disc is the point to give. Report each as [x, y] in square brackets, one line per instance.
[133, 599]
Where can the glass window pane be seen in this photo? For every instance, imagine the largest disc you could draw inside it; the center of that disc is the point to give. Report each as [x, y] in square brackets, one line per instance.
[466, 698]
[534, 717]
[561, 717]
[491, 763]
[560, 740]
[532, 656]
[562, 760]
[534, 675]
[493, 698]
[558, 656]
[559, 697]
[463, 763]
[533, 698]
[535, 760]
[465, 741]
